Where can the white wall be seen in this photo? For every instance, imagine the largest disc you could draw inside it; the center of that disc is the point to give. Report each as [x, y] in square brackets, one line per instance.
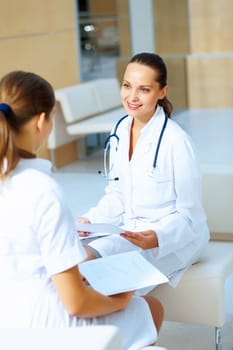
[141, 26]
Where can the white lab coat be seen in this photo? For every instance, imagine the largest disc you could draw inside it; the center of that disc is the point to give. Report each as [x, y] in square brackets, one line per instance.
[168, 202]
[38, 239]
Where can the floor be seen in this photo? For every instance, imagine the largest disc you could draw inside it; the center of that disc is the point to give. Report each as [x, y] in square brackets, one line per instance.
[83, 186]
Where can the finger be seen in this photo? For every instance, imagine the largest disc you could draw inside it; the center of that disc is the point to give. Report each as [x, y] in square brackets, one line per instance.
[128, 234]
[83, 233]
[83, 220]
[133, 235]
[133, 241]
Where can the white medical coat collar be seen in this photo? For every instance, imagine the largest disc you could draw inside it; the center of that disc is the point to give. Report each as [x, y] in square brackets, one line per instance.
[39, 164]
[158, 114]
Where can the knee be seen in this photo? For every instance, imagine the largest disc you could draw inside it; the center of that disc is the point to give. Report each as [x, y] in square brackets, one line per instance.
[157, 310]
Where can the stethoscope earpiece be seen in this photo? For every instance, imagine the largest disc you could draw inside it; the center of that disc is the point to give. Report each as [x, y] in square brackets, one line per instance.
[108, 178]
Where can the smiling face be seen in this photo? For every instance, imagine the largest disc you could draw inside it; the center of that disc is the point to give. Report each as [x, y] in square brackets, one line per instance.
[140, 91]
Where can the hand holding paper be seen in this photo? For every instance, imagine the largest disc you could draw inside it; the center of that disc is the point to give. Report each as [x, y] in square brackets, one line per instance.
[99, 229]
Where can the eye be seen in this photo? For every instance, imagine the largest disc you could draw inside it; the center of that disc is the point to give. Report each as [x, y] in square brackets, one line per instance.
[126, 85]
[145, 90]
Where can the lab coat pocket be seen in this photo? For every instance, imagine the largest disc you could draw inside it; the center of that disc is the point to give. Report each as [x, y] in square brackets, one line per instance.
[161, 177]
[159, 187]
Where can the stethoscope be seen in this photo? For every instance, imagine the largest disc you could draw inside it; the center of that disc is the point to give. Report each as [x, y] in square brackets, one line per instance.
[114, 135]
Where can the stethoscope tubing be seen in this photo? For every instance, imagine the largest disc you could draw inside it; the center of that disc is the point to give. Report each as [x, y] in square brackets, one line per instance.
[159, 141]
[114, 135]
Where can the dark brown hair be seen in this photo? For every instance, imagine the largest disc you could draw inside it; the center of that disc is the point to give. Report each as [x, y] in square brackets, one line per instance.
[26, 95]
[155, 62]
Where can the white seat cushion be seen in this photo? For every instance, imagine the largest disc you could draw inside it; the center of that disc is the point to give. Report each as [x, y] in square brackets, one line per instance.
[201, 288]
[99, 124]
[78, 102]
[107, 93]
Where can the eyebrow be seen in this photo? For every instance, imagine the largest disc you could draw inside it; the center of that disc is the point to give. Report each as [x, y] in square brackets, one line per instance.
[126, 81]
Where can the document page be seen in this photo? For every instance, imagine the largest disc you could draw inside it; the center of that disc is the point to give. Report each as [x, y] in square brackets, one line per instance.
[99, 229]
[120, 273]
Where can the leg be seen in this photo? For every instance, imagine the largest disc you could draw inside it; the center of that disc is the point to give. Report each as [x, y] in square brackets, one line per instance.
[218, 338]
[91, 253]
[156, 309]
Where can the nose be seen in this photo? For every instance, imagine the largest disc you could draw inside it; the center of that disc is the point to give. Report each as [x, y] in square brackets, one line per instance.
[133, 95]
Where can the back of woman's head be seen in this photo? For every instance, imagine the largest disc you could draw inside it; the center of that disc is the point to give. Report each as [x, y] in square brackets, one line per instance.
[155, 62]
[23, 95]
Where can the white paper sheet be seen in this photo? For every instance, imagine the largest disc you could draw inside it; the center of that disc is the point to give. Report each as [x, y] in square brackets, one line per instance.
[120, 273]
[99, 229]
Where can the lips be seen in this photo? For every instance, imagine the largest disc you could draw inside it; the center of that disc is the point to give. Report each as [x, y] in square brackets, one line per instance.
[133, 106]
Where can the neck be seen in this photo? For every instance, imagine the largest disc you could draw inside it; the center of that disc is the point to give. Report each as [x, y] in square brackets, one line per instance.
[25, 154]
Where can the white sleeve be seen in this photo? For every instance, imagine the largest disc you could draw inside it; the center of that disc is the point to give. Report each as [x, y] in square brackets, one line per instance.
[58, 240]
[110, 207]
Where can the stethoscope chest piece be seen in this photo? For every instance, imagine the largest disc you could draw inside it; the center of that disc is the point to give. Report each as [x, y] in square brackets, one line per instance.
[151, 172]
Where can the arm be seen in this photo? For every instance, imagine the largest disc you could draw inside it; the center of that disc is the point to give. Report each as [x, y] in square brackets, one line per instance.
[109, 208]
[61, 252]
[83, 301]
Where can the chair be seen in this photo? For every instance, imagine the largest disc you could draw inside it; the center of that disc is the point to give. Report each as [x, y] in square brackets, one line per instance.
[199, 297]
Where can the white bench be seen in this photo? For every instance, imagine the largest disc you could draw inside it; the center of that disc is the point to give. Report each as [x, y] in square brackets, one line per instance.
[88, 108]
[199, 297]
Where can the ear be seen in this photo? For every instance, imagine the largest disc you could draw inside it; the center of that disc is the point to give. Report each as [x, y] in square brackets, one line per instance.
[40, 121]
[163, 92]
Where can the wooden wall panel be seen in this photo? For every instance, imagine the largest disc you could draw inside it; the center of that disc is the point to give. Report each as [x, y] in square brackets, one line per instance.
[26, 17]
[210, 81]
[171, 24]
[103, 6]
[177, 81]
[211, 26]
[124, 27]
[40, 36]
[121, 64]
[47, 56]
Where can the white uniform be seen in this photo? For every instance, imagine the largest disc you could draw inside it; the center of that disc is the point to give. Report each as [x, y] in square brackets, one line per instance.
[38, 238]
[168, 200]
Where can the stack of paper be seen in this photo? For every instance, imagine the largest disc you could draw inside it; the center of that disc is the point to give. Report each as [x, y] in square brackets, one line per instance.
[120, 273]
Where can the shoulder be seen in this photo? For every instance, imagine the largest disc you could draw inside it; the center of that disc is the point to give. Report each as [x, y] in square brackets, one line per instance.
[180, 141]
[122, 123]
[176, 132]
[35, 178]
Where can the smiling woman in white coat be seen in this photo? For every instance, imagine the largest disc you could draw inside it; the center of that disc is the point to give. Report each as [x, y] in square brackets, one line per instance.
[154, 181]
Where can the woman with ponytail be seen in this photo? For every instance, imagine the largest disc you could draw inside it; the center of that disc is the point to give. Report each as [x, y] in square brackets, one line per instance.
[154, 183]
[40, 251]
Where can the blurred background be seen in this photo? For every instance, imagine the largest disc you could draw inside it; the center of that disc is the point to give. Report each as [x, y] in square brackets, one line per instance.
[70, 41]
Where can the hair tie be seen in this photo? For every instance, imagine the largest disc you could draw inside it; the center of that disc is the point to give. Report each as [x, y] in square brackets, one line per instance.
[5, 108]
